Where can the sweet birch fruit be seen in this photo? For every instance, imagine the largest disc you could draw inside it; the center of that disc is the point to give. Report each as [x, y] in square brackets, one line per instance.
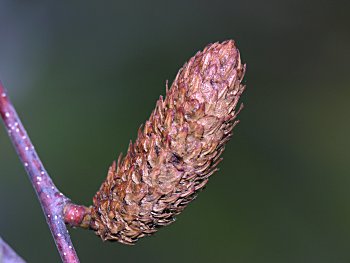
[176, 151]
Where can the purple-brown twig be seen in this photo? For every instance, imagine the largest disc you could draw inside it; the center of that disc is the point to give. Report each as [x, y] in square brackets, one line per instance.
[51, 199]
[8, 255]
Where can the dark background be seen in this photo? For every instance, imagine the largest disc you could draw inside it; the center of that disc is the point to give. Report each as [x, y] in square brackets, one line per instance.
[84, 75]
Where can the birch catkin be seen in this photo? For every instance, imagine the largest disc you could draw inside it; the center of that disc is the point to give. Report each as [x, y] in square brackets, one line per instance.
[176, 151]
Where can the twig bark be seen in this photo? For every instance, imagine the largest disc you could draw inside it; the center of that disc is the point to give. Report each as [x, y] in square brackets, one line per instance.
[8, 255]
[51, 199]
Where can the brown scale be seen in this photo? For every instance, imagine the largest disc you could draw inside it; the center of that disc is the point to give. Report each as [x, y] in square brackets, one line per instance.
[176, 151]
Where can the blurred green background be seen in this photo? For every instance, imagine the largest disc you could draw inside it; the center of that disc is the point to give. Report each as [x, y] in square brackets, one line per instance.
[84, 75]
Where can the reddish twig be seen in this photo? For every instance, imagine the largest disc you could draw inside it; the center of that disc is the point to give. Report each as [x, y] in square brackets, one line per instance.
[8, 255]
[51, 199]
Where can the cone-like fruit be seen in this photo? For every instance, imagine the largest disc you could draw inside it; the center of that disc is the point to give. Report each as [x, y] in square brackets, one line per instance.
[176, 151]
